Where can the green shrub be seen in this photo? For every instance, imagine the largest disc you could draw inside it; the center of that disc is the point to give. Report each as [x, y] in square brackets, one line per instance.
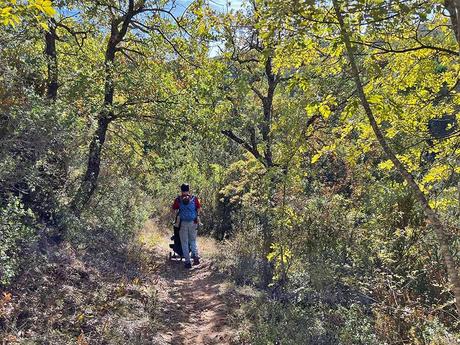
[241, 257]
[36, 147]
[17, 232]
[357, 327]
[117, 209]
[274, 322]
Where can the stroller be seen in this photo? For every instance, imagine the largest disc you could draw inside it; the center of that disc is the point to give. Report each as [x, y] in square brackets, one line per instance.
[176, 246]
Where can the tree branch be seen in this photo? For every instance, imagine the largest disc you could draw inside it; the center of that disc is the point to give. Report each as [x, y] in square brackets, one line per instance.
[245, 145]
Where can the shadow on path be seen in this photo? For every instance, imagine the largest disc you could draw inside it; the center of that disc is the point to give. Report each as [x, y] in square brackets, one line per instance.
[194, 306]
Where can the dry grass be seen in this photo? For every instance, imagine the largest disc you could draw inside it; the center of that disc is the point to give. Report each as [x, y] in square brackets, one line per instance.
[101, 294]
[110, 292]
[152, 236]
[207, 246]
[155, 236]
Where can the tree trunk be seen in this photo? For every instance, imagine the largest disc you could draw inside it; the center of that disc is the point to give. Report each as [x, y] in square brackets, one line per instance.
[430, 214]
[453, 7]
[267, 103]
[52, 62]
[89, 183]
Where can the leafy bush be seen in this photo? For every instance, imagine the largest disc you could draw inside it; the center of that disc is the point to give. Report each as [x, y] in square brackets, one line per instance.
[240, 257]
[17, 232]
[119, 206]
[274, 322]
[357, 328]
[36, 150]
[352, 265]
[118, 209]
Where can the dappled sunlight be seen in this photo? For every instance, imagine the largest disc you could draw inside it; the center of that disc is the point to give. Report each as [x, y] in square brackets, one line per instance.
[310, 151]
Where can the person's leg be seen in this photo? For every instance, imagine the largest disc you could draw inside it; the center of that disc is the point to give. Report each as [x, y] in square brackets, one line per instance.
[183, 234]
[192, 238]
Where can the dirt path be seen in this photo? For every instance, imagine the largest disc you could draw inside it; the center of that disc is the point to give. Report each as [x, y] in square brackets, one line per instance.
[194, 307]
[193, 304]
[112, 293]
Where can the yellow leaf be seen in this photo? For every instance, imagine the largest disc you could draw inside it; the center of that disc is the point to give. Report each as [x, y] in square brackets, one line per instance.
[44, 25]
[49, 10]
[387, 165]
[6, 11]
[375, 99]
[324, 110]
[316, 157]
[391, 132]
[44, 6]
[437, 173]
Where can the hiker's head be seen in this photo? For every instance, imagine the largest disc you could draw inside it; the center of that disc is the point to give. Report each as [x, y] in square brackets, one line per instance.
[185, 188]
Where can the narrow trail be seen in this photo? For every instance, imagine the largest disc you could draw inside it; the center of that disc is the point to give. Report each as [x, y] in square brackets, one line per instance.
[194, 306]
[110, 294]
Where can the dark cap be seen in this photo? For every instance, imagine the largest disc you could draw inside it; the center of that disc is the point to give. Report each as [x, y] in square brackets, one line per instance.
[185, 187]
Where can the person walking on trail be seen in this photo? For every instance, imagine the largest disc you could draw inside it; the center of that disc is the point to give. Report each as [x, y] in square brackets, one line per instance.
[189, 208]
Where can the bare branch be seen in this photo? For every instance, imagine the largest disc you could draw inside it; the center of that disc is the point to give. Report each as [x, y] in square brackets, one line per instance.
[258, 93]
[245, 145]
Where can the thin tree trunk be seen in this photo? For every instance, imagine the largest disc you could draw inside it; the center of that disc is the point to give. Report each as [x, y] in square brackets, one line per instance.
[93, 167]
[430, 214]
[453, 7]
[52, 62]
[267, 103]
[89, 183]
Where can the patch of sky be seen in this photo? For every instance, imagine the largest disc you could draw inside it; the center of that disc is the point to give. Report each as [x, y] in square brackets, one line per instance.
[218, 5]
[177, 9]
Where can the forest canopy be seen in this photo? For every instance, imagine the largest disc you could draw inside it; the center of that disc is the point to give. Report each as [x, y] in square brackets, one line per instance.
[322, 136]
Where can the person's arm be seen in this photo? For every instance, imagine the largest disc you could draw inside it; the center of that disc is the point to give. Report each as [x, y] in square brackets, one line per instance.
[175, 206]
[199, 212]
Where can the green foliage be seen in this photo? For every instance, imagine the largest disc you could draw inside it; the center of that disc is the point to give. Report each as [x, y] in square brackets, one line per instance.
[289, 323]
[298, 188]
[116, 209]
[336, 243]
[241, 257]
[36, 153]
[357, 328]
[12, 11]
[17, 231]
